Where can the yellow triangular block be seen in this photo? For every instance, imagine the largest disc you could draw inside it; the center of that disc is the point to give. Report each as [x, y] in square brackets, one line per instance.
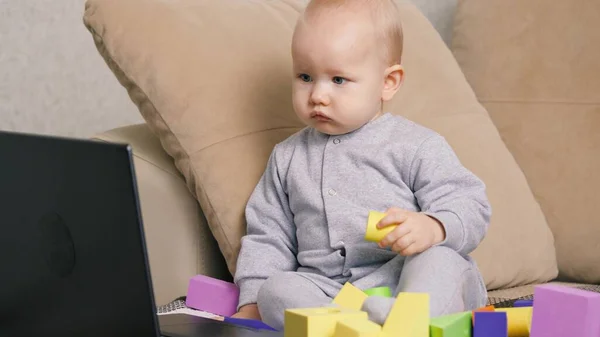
[317, 322]
[350, 297]
[409, 316]
[357, 328]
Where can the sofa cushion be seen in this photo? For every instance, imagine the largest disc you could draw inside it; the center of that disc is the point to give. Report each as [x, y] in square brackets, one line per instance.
[534, 65]
[213, 81]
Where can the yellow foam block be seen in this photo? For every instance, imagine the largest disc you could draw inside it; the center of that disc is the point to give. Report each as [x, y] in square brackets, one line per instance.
[373, 233]
[317, 322]
[350, 297]
[357, 328]
[409, 316]
[519, 320]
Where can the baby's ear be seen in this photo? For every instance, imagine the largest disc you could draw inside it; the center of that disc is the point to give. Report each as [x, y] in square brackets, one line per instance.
[393, 78]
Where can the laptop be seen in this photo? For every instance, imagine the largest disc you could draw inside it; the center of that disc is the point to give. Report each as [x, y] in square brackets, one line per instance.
[73, 259]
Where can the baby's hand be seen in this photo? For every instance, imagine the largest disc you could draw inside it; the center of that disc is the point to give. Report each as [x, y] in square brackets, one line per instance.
[416, 231]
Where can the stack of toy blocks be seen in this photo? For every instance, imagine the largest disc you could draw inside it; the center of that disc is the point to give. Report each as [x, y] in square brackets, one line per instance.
[557, 311]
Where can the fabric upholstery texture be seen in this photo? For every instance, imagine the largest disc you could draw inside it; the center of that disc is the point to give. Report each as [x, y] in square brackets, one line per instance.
[534, 65]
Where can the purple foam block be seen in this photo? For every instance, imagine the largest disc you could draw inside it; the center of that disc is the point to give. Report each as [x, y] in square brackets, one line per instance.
[523, 303]
[212, 295]
[560, 311]
[490, 324]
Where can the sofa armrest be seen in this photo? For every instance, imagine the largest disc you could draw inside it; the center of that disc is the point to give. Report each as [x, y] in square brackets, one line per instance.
[180, 244]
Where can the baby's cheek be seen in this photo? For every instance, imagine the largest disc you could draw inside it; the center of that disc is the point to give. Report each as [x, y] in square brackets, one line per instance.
[300, 102]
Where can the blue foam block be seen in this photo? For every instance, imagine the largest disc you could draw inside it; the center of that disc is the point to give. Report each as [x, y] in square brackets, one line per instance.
[523, 303]
[490, 324]
[250, 323]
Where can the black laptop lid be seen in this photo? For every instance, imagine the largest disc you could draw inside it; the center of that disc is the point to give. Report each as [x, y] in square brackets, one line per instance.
[72, 251]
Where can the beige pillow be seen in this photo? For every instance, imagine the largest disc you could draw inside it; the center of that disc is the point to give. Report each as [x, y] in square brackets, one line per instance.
[213, 81]
[535, 65]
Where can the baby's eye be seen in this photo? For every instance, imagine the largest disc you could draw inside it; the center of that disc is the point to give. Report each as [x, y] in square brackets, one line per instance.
[339, 80]
[305, 77]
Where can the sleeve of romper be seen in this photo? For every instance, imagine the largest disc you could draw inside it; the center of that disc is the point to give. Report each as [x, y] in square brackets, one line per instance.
[269, 245]
[450, 193]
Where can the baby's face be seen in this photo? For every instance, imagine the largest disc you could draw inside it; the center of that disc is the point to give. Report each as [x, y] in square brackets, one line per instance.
[339, 74]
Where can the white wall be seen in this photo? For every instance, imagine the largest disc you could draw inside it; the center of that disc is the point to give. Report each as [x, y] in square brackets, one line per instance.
[52, 79]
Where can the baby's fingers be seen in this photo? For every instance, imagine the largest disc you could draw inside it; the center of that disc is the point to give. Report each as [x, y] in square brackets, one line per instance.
[393, 218]
[398, 233]
[405, 245]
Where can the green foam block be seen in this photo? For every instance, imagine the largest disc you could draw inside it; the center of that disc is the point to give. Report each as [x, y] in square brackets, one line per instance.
[379, 291]
[455, 325]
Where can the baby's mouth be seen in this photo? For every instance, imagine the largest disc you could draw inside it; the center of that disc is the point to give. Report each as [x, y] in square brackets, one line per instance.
[320, 116]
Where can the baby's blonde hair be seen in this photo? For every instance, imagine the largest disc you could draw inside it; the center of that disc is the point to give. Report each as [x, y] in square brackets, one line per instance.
[383, 14]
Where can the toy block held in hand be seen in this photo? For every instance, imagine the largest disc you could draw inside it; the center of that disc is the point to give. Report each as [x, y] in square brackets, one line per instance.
[455, 325]
[490, 324]
[317, 322]
[560, 311]
[373, 233]
[409, 316]
[482, 309]
[356, 328]
[518, 319]
[212, 295]
[350, 297]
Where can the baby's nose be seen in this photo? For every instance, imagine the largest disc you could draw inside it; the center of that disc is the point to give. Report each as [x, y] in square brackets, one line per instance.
[319, 95]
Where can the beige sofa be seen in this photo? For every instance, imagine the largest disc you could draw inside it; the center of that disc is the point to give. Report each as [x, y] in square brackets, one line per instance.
[530, 129]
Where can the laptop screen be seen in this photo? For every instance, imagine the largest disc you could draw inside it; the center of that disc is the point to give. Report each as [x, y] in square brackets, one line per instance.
[72, 250]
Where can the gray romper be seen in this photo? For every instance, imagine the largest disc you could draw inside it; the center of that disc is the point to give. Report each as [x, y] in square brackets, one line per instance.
[307, 217]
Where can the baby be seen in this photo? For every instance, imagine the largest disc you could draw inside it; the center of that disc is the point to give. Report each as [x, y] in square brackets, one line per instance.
[307, 216]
